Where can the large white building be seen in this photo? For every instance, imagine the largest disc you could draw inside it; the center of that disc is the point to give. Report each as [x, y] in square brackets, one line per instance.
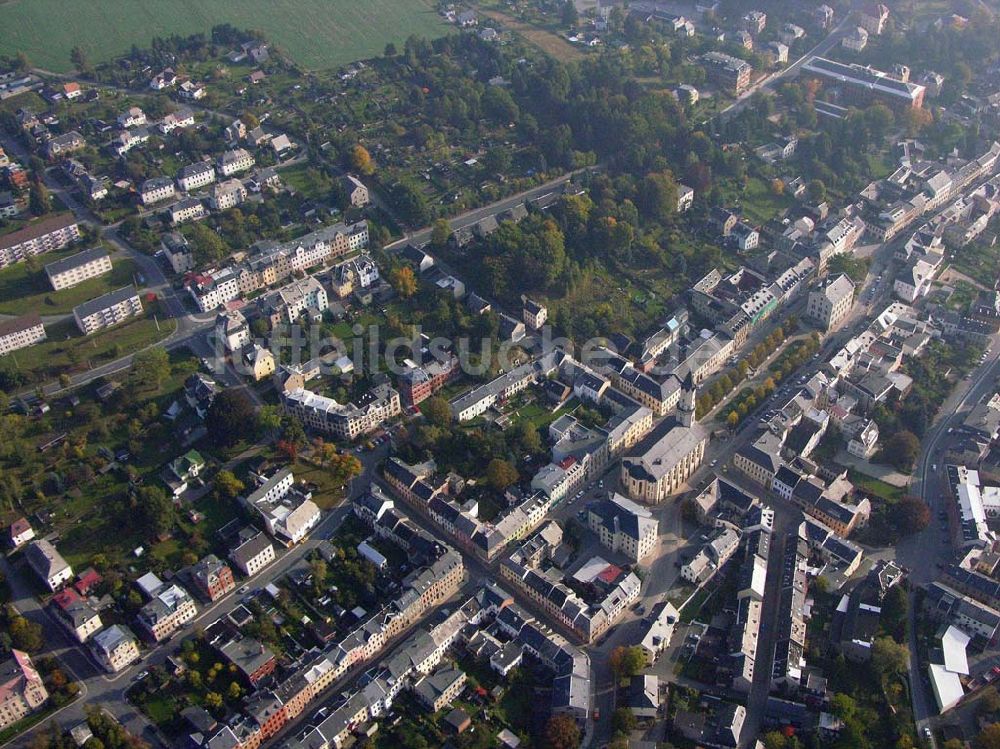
[830, 303]
[214, 290]
[193, 176]
[38, 237]
[346, 421]
[115, 648]
[663, 460]
[48, 564]
[235, 161]
[156, 189]
[623, 526]
[107, 310]
[228, 194]
[75, 269]
[288, 514]
[21, 332]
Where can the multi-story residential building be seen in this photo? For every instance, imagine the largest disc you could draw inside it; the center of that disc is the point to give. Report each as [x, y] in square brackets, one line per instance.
[193, 176]
[21, 688]
[177, 251]
[186, 209]
[623, 526]
[831, 302]
[76, 614]
[228, 194]
[288, 514]
[20, 332]
[48, 564]
[52, 233]
[107, 310]
[170, 608]
[440, 688]
[730, 72]
[252, 553]
[534, 314]
[477, 401]
[945, 604]
[418, 383]
[289, 303]
[347, 421]
[235, 161]
[231, 328]
[212, 578]
[864, 85]
[215, 289]
[251, 658]
[156, 189]
[357, 193]
[760, 460]
[75, 269]
[115, 648]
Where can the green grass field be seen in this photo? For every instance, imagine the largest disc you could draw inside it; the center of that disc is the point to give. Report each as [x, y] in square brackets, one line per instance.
[315, 33]
[22, 289]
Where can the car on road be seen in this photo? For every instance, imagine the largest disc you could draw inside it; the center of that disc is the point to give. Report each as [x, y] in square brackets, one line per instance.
[243, 590]
[927, 732]
[141, 675]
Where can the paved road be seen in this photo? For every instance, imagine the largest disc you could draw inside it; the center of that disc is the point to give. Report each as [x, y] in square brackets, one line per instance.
[923, 552]
[832, 39]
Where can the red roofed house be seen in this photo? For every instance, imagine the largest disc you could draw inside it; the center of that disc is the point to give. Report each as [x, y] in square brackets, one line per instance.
[86, 581]
[610, 574]
[20, 532]
[72, 90]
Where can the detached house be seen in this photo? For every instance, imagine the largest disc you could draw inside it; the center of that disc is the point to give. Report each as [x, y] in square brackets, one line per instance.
[48, 564]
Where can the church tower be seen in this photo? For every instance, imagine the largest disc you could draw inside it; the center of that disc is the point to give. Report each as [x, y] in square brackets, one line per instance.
[686, 404]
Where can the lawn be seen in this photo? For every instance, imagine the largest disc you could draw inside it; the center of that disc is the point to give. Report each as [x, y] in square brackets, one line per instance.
[67, 350]
[760, 204]
[315, 33]
[873, 486]
[22, 289]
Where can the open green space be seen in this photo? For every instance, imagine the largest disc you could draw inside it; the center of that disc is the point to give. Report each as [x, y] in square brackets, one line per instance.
[315, 33]
[24, 289]
[67, 351]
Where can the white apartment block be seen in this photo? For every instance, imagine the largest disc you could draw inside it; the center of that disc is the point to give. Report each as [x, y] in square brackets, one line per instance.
[193, 176]
[347, 421]
[228, 194]
[215, 290]
[115, 648]
[170, 608]
[235, 161]
[156, 189]
[107, 310]
[21, 332]
[830, 304]
[38, 237]
[75, 269]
